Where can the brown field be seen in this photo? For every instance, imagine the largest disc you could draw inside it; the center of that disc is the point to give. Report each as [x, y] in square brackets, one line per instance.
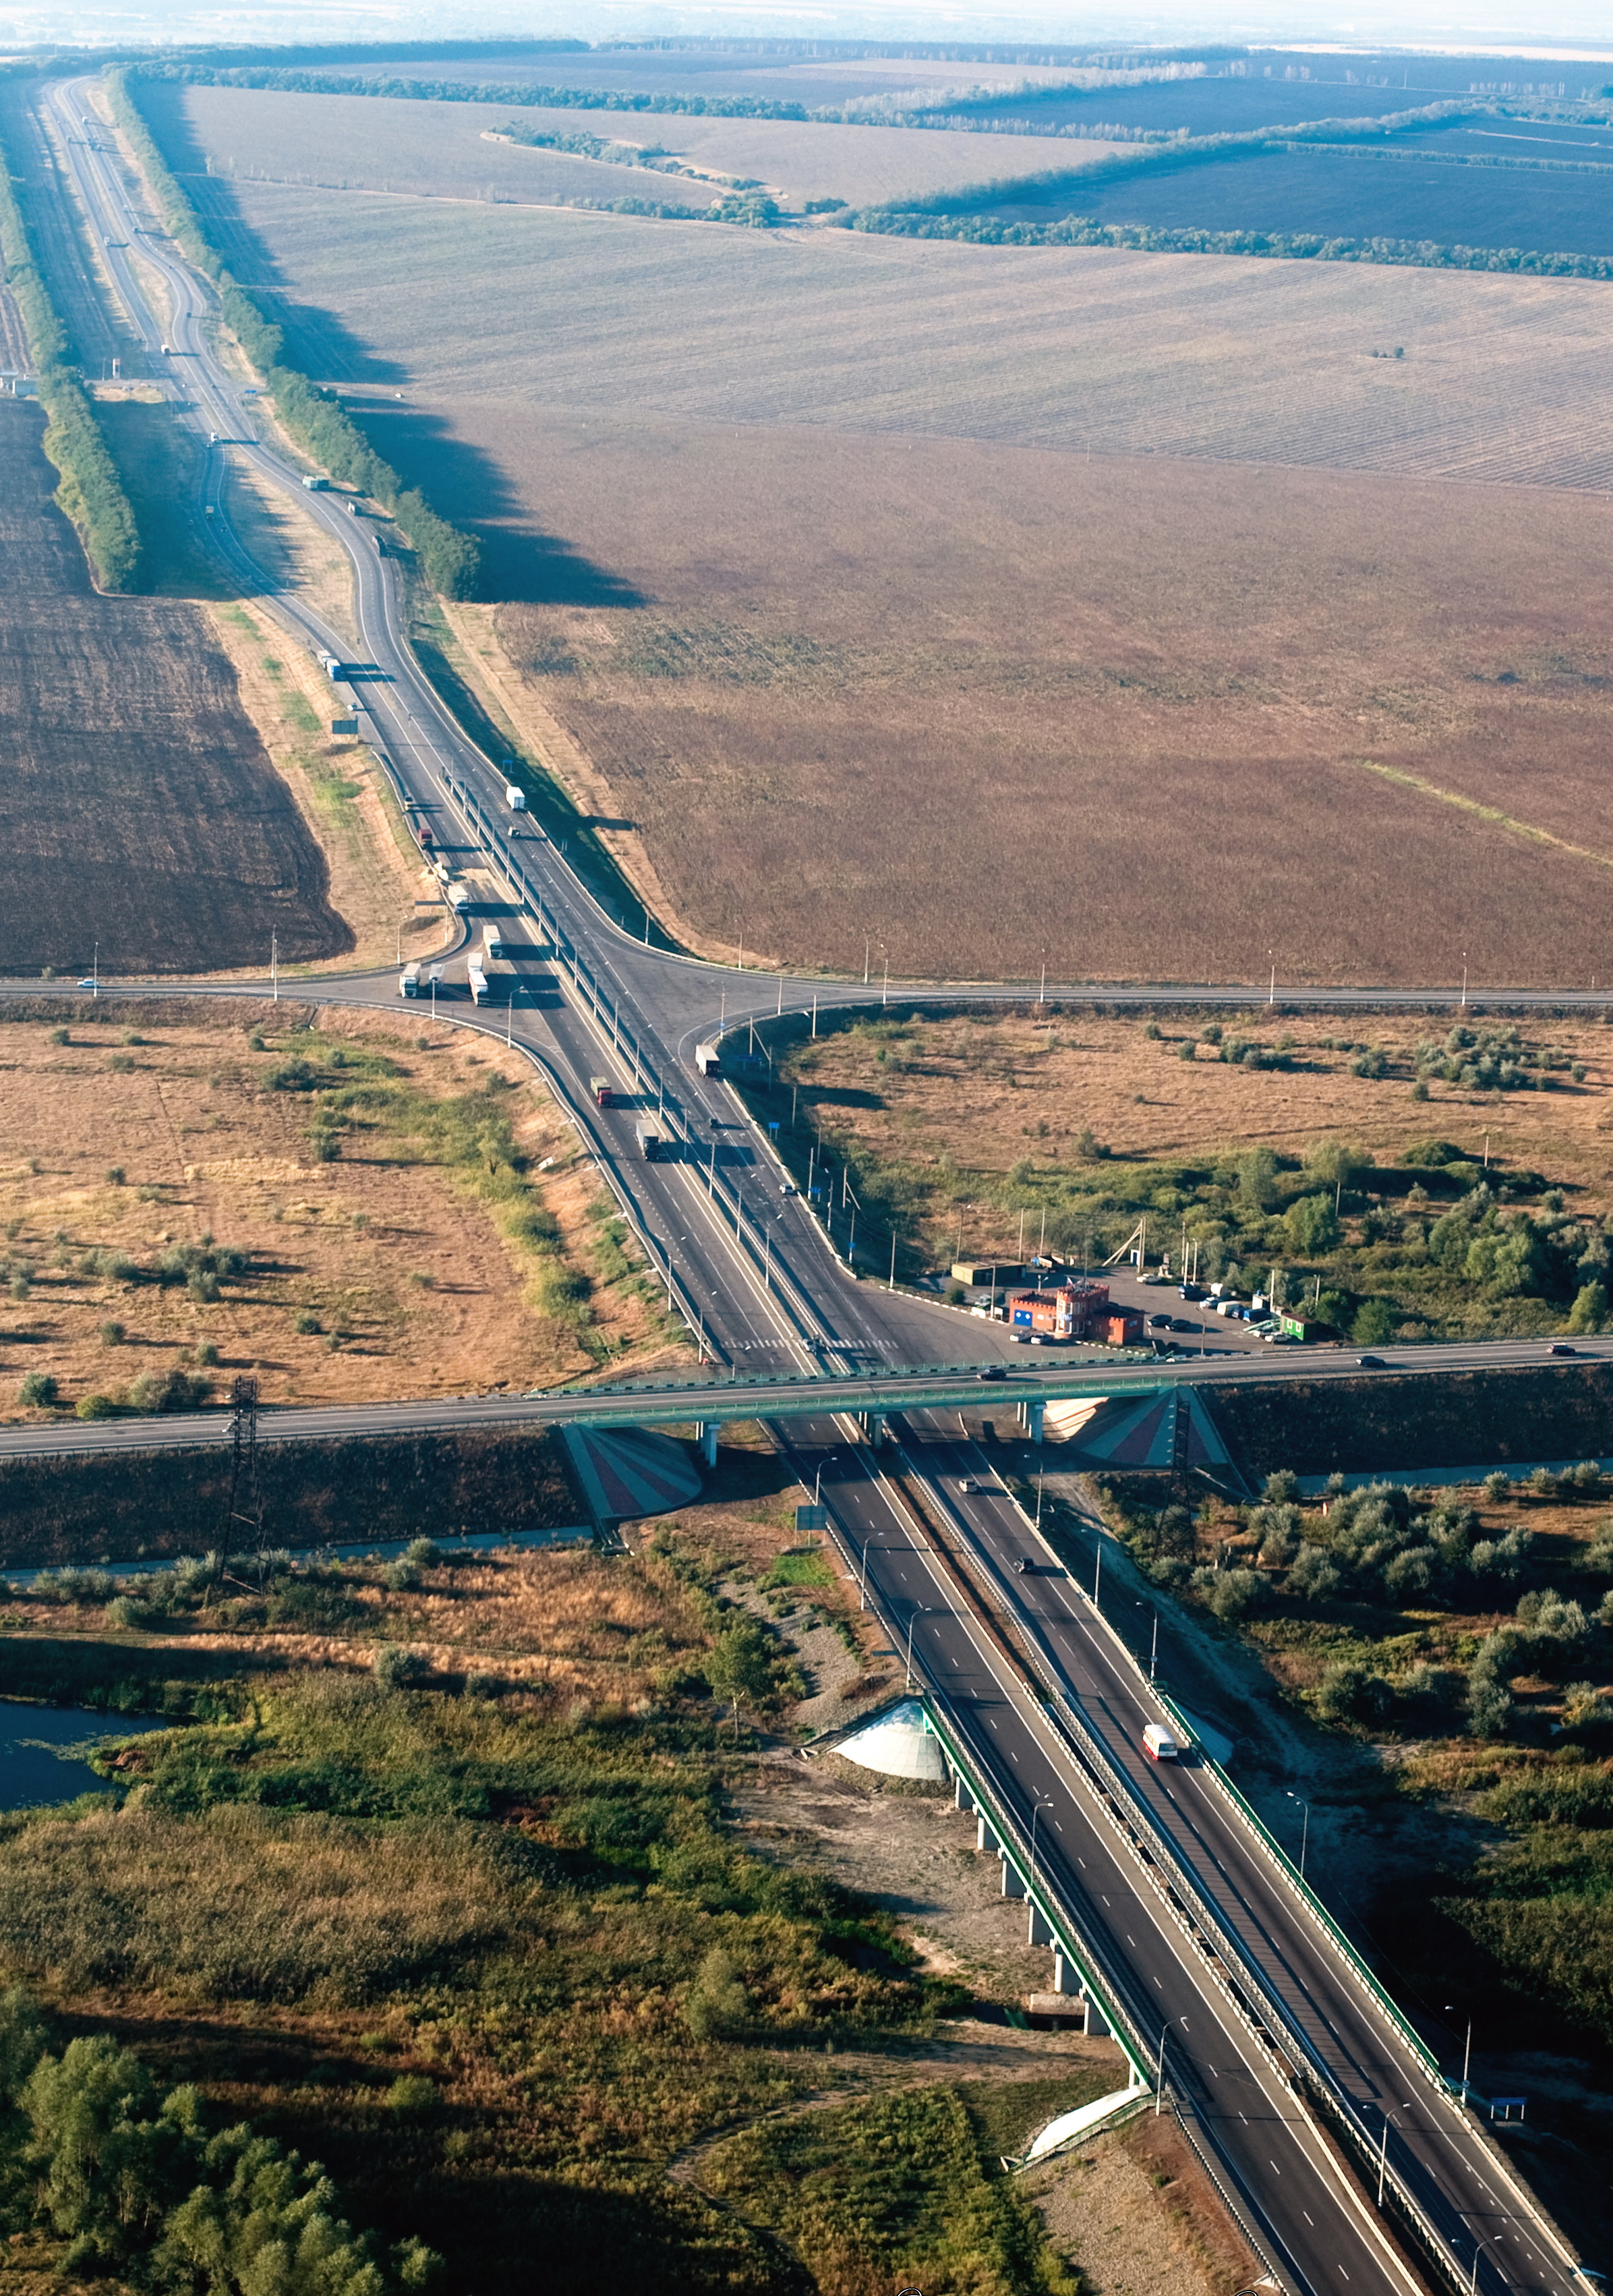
[141, 811]
[967, 1095]
[1116, 752]
[1067, 684]
[381, 144]
[385, 1249]
[13, 341]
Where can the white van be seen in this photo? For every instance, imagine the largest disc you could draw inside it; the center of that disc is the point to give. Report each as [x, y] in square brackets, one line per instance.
[1158, 1745]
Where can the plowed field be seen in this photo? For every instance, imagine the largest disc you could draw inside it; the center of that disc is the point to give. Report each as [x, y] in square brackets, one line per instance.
[138, 808]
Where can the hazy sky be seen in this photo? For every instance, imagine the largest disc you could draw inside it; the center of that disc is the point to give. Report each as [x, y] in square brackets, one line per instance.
[1496, 26]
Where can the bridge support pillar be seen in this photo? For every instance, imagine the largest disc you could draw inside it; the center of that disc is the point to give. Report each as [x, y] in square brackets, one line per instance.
[985, 1838]
[1097, 2023]
[962, 1797]
[705, 1430]
[874, 1429]
[1031, 1418]
[1037, 1931]
[1065, 1980]
[1013, 1886]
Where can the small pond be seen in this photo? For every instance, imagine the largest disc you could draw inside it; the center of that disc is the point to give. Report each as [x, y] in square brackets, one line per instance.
[42, 1750]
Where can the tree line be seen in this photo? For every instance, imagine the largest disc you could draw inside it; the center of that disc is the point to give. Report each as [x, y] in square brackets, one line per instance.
[316, 418]
[1084, 231]
[91, 492]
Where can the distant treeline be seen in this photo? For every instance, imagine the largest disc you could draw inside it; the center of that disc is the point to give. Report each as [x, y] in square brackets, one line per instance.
[91, 492]
[314, 418]
[525, 95]
[1083, 231]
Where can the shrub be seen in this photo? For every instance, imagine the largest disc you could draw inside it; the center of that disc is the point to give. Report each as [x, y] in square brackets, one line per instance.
[207, 1353]
[397, 1669]
[307, 1322]
[120, 1063]
[718, 2007]
[424, 1554]
[1374, 1321]
[59, 1037]
[96, 1407]
[114, 1175]
[413, 2097]
[1489, 1695]
[1349, 1693]
[1589, 1312]
[1313, 1574]
[39, 1389]
[112, 1335]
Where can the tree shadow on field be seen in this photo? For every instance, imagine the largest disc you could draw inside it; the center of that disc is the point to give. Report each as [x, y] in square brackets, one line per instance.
[520, 565]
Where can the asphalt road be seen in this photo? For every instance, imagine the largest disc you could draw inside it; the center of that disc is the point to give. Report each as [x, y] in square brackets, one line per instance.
[754, 1275]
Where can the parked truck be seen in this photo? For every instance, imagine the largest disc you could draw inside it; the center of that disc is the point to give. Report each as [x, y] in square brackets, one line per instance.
[651, 1141]
[408, 980]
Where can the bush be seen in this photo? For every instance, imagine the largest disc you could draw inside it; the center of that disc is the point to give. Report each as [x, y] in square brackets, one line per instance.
[114, 1172]
[1589, 1312]
[413, 2097]
[1375, 1320]
[399, 1668]
[718, 2007]
[307, 1322]
[1349, 1693]
[422, 1553]
[1314, 1575]
[39, 1389]
[113, 1335]
[120, 1063]
[97, 1407]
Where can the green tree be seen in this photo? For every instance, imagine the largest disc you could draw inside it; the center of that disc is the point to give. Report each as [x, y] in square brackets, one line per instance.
[1258, 1179]
[1313, 1226]
[741, 1662]
[112, 2160]
[1374, 1321]
[1589, 1312]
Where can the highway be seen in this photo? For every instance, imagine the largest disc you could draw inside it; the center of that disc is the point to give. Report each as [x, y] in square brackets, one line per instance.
[756, 1278]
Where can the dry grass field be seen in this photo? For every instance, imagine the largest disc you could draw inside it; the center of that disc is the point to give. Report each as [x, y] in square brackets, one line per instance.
[378, 1272]
[140, 809]
[381, 144]
[980, 1096]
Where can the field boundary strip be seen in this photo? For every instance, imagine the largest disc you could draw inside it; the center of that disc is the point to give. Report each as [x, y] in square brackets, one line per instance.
[91, 492]
[1491, 813]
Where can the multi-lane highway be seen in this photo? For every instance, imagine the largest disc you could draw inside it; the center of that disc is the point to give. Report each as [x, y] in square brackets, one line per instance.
[754, 1274]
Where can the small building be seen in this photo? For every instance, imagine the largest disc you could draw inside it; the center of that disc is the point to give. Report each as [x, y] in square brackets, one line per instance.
[1069, 1312]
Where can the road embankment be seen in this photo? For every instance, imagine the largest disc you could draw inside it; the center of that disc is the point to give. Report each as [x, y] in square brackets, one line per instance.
[1384, 1424]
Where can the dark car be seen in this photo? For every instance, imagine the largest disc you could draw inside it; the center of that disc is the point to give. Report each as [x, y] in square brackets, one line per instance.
[1159, 1324]
[1371, 1363]
[1561, 1348]
[992, 1371]
[1182, 1323]
[1024, 1566]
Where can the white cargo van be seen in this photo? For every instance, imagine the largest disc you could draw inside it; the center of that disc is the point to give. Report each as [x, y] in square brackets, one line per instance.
[1158, 1745]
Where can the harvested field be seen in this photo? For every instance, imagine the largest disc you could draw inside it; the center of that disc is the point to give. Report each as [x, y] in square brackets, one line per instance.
[373, 1267]
[13, 340]
[1176, 674]
[1086, 349]
[378, 144]
[141, 811]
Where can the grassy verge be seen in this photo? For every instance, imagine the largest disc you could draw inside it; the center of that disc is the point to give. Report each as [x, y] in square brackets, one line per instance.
[91, 492]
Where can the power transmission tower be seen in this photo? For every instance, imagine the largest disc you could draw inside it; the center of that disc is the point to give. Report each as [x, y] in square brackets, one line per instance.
[245, 1506]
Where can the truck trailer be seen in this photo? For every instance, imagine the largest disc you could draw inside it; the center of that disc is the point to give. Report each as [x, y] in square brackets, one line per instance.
[708, 1058]
[515, 797]
[478, 979]
[651, 1141]
[408, 980]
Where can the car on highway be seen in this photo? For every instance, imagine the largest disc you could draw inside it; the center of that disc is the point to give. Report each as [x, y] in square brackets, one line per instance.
[966, 1483]
[1560, 1349]
[1371, 1363]
[787, 1188]
[992, 1371]
[1025, 1566]
[91, 982]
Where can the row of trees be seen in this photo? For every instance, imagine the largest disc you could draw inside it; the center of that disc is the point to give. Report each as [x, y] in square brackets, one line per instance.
[316, 418]
[1301, 246]
[91, 492]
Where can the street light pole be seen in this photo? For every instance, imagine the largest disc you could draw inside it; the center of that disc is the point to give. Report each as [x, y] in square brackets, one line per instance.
[1037, 1809]
[1305, 1830]
[912, 1623]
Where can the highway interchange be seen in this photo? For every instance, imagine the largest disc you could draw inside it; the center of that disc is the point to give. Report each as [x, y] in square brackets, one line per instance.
[752, 1272]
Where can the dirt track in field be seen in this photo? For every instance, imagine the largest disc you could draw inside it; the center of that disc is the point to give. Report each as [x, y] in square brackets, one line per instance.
[139, 810]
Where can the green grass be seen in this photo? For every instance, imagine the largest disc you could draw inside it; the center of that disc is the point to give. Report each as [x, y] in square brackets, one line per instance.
[891, 2192]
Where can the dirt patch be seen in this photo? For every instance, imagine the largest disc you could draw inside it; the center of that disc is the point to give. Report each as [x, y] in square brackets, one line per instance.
[142, 814]
[1136, 2215]
[371, 1274]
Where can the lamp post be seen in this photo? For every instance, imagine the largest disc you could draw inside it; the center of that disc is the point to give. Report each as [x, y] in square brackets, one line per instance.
[1037, 1809]
[912, 1623]
[1305, 1830]
[1467, 2049]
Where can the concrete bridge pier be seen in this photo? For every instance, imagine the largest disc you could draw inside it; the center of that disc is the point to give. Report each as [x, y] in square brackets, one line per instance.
[875, 1433]
[962, 1795]
[985, 1834]
[1012, 1885]
[706, 1430]
[1032, 1416]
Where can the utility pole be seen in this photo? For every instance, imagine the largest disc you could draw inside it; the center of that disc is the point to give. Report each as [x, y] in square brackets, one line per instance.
[275, 964]
[244, 1504]
[892, 1285]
